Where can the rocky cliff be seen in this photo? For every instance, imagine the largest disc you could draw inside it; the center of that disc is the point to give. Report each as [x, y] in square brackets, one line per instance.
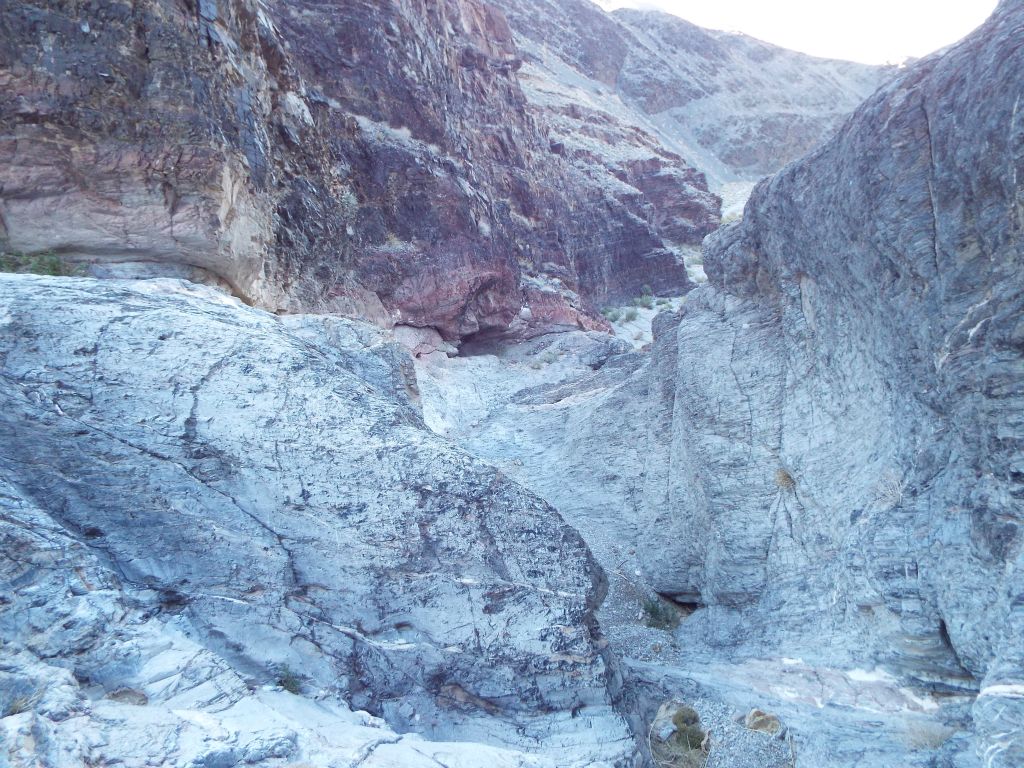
[234, 536]
[392, 160]
[733, 106]
[845, 459]
[377, 159]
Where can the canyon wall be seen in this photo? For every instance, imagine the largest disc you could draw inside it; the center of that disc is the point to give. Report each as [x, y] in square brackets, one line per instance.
[414, 163]
[844, 417]
[376, 159]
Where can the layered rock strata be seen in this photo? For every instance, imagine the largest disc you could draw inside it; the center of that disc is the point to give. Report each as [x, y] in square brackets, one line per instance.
[376, 159]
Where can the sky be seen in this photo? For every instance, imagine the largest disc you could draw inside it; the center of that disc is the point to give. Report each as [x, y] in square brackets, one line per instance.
[869, 31]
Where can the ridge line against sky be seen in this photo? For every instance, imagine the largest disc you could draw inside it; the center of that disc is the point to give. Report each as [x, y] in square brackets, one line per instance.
[868, 31]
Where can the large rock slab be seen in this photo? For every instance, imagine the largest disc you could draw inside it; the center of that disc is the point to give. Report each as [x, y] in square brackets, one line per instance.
[95, 672]
[270, 482]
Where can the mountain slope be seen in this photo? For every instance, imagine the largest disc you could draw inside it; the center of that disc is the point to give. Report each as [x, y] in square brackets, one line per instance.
[734, 107]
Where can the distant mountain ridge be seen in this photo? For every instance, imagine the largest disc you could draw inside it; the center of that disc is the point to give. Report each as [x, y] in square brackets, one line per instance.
[735, 107]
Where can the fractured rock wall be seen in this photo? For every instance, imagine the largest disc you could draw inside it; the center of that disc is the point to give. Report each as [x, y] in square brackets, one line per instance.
[845, 444]
[376, 159]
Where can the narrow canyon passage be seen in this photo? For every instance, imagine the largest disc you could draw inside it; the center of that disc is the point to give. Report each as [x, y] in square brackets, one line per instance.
[709, 451]
[569, 417]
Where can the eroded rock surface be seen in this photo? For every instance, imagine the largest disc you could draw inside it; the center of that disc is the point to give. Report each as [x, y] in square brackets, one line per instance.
[577, 418]
[376, 159]
[184, 470]
[821, 456]
[733, 106]
[845, 468]
[98, 672]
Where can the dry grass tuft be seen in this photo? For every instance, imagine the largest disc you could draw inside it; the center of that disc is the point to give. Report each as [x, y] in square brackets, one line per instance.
[784, 480]
[889, 490]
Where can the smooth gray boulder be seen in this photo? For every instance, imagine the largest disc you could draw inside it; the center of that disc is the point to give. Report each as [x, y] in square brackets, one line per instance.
[268, 483]
[846, 455]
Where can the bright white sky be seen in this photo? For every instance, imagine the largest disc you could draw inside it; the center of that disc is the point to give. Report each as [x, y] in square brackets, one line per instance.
[870, 31]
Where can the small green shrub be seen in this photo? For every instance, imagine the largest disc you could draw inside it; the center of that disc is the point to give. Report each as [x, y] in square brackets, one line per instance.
[18, 706]
[685, 716]
[46, 263]
[646, 291]
[289, 680]
[690, 736]
[784, 480]
[646, 301]
[927, 735]
[658, 614]
[687, 745]
[889, 490]
[611, 314]
[631, 315]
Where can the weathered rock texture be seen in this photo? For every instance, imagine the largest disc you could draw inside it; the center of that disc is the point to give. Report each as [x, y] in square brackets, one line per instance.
[96, 672]
[377, 159]
[846, 440]
[266, 488]
[570, 417]
[733, 106]
[750, 105]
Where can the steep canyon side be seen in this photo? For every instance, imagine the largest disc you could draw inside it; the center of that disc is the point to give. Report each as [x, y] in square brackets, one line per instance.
[227, 529]
[735, 107]
[845, 466]
[374, 158]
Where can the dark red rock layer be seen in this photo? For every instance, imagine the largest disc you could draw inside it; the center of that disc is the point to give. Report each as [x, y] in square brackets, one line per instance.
[375, 158]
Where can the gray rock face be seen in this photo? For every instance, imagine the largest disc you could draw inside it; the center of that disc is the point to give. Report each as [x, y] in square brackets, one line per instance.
[97, 672]
[733, 106]
[846, 446]
[565, 416]
[266, 488]
[583, 420]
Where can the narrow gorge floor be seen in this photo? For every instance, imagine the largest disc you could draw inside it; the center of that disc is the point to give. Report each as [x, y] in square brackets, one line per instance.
[567, 416]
